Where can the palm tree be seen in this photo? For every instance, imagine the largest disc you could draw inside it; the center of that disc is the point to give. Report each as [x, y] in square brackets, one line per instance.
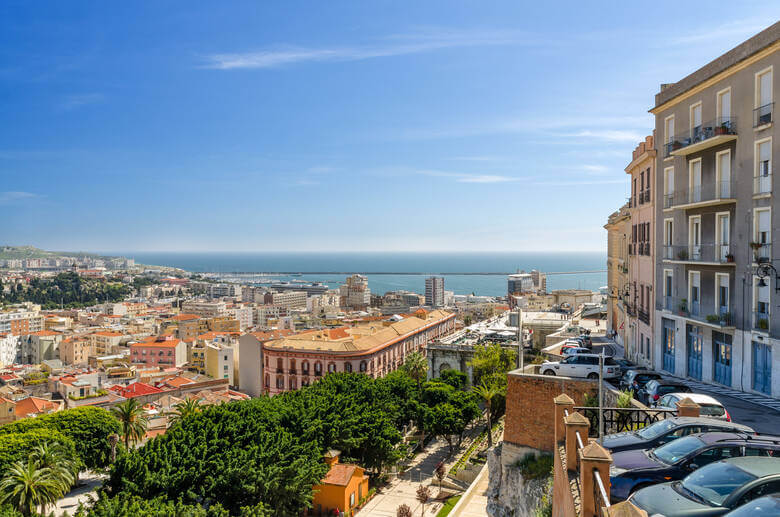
[113, 439]
[26, 488]
[487, 392]
[131, 419]
[417, 367]
[184, 409]
[51, 456]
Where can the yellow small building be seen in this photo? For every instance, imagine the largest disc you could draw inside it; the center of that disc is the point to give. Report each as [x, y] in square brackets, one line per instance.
[343, 486]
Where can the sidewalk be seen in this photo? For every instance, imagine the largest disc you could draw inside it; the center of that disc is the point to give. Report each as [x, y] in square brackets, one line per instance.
[474, 500]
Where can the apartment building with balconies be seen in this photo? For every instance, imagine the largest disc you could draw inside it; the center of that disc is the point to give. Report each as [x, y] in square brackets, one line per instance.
[715, 287]
[641, 254]
[619, 307]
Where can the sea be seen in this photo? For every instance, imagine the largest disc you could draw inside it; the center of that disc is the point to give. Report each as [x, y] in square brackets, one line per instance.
[397, 270]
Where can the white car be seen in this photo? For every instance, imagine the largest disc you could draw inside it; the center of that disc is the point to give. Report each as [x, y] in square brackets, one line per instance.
[573, 350]
[710, 407]
[582, 366]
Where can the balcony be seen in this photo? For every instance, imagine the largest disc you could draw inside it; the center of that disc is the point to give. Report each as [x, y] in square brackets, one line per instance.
[763, 115]
[644, 316]
[710, 134]
[629, 308]
[761, 321]
[293, 371]
[709, 194]
[707, 254]
[762, 252]
[694, 311]
[762, 184]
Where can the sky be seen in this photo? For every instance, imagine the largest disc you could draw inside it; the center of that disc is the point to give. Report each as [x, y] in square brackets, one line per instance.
[335, 126]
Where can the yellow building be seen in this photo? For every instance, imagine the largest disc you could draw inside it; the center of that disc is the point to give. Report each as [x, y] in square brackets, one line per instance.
[618, 234]
[342, 488]
[75, 350]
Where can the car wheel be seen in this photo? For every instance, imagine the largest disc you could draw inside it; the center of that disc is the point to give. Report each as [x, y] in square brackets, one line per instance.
[593, 376]
[549, 372]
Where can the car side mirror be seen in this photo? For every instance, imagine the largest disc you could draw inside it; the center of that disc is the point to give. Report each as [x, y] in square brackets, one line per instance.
[693, 466]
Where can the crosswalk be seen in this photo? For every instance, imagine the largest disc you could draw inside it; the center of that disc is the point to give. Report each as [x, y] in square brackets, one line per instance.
[761, 400]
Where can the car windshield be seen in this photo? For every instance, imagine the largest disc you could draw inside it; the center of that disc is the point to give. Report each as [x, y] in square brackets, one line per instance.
[763, 507]
[655, 430]
[663, 390]
[711, 410]
[716, 481]
[676, 450]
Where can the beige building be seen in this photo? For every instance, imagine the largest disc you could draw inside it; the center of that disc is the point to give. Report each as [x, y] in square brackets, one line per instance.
[104, 342]
[641, 254]
[618, 232]
[75, 350]
[220, 363]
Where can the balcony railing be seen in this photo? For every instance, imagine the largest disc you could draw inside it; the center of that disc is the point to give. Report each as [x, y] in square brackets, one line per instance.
[644, 316]
[762, 184]
[761, 321]
[695, 311]
[630, 310]
[762, 252]
[711, 253]
[763, 114]
[714, 129]
[711, 192]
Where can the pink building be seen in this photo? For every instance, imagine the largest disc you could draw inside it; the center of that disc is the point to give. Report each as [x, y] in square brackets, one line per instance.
[375, 348]
[163, 351]
[638, 294]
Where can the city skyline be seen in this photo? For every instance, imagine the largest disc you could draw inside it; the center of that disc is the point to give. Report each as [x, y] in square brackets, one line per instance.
[240, 128]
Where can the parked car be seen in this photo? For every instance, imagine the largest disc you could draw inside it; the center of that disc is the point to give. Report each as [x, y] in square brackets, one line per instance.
[581, 365]
[664, 431]
[632, 470]
[709, 406]
[567, 350]
[713, 490]
[588, 342]
[767, 506]
[574, 341]
[657, 388]
[636, 379]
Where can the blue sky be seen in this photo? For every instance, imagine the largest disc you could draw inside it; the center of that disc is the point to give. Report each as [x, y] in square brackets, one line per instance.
[335, 125]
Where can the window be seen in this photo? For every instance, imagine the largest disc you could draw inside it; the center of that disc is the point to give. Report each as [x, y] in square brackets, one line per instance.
[722, 293]
[696, 121]
[762, 236]
[722, 236]
[331, 367]
[694, 237]
[694, 292]
[762, 182]
[362, 366]
[724, 106]
[763, 103]
[347, 367]
[755, 451]
[279, 382]
[694, 181]
[669, 129]
[305, 367]
[668, 286]
[723, 174]
[668, 238]
[668, 187]
[761, 304]
[318, 367]
[352, 499]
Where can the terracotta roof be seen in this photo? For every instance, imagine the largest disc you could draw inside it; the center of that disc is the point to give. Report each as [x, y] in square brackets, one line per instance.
[45, 333]
[185, 317]
[34, 406]
[178, 381]
[136, 389]
[106, 333]
[339, 474]
[271, 334]
[156, 341]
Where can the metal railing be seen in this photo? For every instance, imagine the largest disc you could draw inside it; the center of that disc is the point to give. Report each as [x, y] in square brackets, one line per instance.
[719, 126]
[762, 252]
[720, 253]
[761, 321]
[600, 498]
[644, 316]
[695, 311]
[763, 114]
[617, 420]
[706, 192]
[762, 184]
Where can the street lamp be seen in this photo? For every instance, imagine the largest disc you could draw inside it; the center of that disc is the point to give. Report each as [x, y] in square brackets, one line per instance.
[766, 271]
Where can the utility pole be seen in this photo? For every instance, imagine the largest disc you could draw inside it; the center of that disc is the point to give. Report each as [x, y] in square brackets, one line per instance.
[520, 347]
[601, 397]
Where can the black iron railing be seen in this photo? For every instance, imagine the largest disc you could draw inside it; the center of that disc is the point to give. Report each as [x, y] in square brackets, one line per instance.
[617, 420]
[644, 316]
[719, 126]
[763, 114]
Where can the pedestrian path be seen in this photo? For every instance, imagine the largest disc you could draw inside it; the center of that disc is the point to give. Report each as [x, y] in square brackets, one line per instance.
[755, 398]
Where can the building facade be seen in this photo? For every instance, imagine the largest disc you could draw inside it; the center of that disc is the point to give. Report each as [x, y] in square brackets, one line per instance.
[355, 294]
[434, 291]
[618, 307]
[715, 261]
[641, 254]
[159, 351]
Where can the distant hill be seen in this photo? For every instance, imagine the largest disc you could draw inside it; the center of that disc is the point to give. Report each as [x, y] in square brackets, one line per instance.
[31, 252]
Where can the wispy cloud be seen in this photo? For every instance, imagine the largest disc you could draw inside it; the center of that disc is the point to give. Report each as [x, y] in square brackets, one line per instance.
[9, 197]
[71, 102]
[611, 135]
[394, 45]
[737, 30]
[305, 182]
[576, 182]
[468, 178]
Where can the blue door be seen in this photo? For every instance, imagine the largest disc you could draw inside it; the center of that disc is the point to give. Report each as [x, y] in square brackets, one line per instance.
[722, 354]
[668, 345]
[694, 343]
[762, 368]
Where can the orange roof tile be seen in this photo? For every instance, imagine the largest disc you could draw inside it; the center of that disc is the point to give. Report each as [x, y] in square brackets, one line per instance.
[34, 406]
[339, 474]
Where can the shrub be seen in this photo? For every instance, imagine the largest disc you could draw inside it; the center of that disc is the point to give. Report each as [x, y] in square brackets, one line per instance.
[18, 446]
[533, 466]
[624, 399]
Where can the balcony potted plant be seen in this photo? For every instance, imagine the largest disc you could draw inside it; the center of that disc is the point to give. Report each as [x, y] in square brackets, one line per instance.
[682, 254]
[683, 307]
[729, 257]
[722, 129]
[725, 319]
[676, 145]
[762, 323]
[713, 318]
[756, 247]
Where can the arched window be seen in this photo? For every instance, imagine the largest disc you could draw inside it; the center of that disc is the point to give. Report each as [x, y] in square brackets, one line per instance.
[267, 381]
[363, 366]
[331, 367]
[292, 366]
[279, 365]
[347, 367]
[318, 368]
[305, 367]
[293, 383]
[279, 382]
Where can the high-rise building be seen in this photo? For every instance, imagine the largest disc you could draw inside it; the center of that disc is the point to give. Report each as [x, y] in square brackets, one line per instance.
[434, 291]
[355, 294]
[715, 273]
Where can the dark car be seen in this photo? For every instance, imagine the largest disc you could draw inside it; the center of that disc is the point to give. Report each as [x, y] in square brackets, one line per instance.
[632, 470]
[655, 389]
[664, 431]
[586, 340]
[625, 365]
[767, 506]
[713, 490]
[636, 379]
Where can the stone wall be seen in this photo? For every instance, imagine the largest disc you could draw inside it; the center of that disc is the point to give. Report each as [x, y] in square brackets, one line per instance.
[564, 504]
[530, 418]
[508, 493]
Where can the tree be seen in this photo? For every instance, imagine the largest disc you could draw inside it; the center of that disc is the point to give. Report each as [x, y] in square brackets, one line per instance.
[454, 378]
[131, 420]
[27, 487]
[467, 320]
[403, 511]
[184, 409]
[487, 392]
[54, 457]
[491, 362]
[18, 447]
[416, 366]
[440, 472]
[113, 440]
[423, 494]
